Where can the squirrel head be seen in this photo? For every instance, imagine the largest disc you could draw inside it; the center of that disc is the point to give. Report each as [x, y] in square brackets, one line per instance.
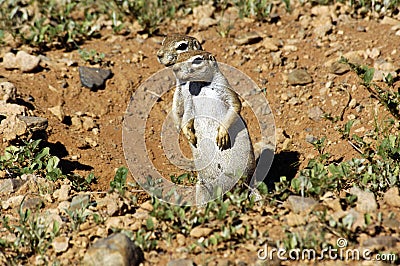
[175, 44]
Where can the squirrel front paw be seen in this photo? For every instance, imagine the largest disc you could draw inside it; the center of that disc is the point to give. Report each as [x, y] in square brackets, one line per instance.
[223, 140]
[189, 132]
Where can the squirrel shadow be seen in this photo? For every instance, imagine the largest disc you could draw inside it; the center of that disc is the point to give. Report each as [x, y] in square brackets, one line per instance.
[285, 163]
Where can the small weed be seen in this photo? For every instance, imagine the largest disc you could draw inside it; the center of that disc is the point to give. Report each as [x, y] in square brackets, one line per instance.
[30, 159]
[119, 182]
[80, 183]
[92, 56]
[186, 178]
[32, 235]
[79, 216]
[257, 9]
[388, 98]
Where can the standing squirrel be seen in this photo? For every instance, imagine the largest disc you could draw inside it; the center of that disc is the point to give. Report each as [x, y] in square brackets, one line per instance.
[208, 111]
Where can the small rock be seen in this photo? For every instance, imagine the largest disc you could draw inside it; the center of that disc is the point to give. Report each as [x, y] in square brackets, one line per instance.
[391, 223]
[79, 201]
[58, 111]
[365, 200]
[373, 53]
[91, 142]
[390, 21]
[391, 197]
[92, 77]
[76, 123]
[12, 202]
[147, 206]
[200, 232]
[181, 262]
[271, 44]
[10, 185]
[9, 61]
[299, 77]
[361, 29]
[381, 242]
[300, 204]
[322, 26]
[27, 62]
[315, 113]
[34, 123]
[248, 38]
[116, 250]
[205, 23]
[311, 139]
[32, 203]
[336, 67]
[6, 186]
[62, 194]
[8, 92]
[60, 244]
[111, 202]
[180, 239]
[88, 123]
[203, 11]
[12, 127]
[276, 58]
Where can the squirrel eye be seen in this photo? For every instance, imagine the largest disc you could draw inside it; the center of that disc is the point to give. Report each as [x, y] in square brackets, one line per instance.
[182, 46]
[197, 61]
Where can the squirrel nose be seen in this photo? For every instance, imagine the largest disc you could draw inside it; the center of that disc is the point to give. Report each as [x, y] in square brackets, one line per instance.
[160, 54]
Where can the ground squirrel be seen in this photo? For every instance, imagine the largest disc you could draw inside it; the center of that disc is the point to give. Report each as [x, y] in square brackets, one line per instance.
[209, 114]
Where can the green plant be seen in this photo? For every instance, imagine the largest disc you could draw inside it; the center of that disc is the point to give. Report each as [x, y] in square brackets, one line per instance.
[32, 234]
[119, 182]
[80, 183]
[186, 178]
[79, 215]
[257, 9]
[30, 159]
[388, 97]
[92, 56]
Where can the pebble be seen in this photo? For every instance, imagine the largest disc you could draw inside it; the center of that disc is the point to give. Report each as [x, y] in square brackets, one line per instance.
[200, 232]
[365, 200]
[8, 92]
[116, 249]
[373, 53]
[311, 139]
[391, 197]
[22, 60]
[299, 77]
[88, 123]
[248, 38]
[76, 123]
[60, 244]
[300, 204]
[271, 44]
[315, 113]
[92, 77]
[58, 112]
[62, 194]
[79, 201]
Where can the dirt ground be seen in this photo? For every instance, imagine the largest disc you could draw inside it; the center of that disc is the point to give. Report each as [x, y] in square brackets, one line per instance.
[132, 59]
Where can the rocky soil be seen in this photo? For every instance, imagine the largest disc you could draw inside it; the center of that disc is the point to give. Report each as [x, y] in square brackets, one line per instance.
[293, 57]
